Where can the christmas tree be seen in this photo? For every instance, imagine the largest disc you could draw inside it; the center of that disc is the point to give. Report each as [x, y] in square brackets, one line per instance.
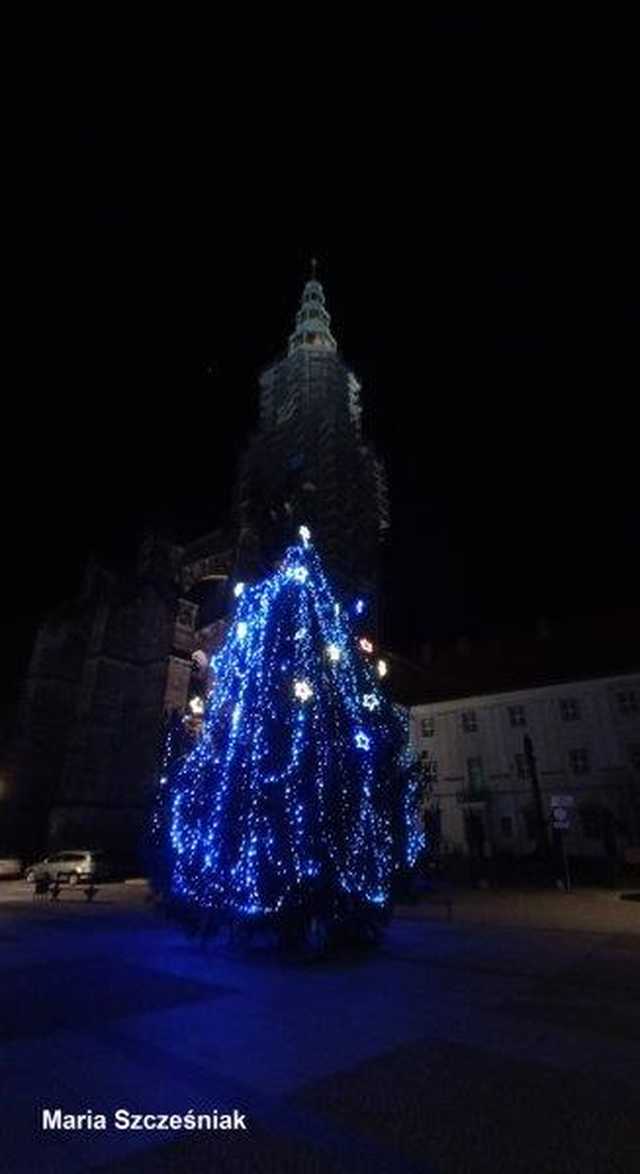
[300, 794]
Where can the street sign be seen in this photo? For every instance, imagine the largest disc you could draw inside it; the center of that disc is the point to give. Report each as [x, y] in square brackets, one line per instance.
[561, 811]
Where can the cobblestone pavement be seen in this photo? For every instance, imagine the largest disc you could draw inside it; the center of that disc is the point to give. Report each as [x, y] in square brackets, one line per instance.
[503, 1039]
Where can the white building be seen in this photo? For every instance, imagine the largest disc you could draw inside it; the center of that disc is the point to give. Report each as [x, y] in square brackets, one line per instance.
[585, 737]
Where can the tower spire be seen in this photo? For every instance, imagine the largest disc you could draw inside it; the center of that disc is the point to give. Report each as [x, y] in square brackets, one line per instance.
[313, 324]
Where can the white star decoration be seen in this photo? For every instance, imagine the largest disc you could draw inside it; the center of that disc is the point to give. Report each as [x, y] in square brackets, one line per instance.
[370, 701]
[362, 741]
[302, 690]
[333, 652]
[300, 574]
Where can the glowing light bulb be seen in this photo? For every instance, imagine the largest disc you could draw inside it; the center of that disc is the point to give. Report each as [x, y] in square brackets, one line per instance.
[302, 690]
[365, 644]
[336, 609]
[359, 606]
[300, 633]
[238, 589]
[242, 630]
[196, 705]
[333, 652]
[382, 668]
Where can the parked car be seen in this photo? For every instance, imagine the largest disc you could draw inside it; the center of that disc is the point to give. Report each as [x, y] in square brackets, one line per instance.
[10, 867]
[71, 867]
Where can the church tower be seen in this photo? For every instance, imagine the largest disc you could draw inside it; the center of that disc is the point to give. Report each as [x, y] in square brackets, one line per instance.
[309, 462]
[130, 649]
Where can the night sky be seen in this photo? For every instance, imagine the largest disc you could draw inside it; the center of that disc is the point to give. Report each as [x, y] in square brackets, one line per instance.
[473, 208]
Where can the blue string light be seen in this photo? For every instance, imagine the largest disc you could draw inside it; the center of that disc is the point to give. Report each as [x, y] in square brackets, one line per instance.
[292, 777]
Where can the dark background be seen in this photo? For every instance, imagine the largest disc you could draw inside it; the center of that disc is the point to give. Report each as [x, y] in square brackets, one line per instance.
[468, 188]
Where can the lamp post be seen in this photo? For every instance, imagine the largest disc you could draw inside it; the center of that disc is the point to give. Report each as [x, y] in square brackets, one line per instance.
[530, 759]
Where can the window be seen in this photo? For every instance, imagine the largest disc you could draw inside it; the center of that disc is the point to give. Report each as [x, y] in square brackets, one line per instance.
[469, 721]
[430, 767]
[594, 819]
[628, 702]
[517, 715]
[579, 761]
[475, 773]
[506, 826]
[428, 727]
[523, 769]
[569, 709]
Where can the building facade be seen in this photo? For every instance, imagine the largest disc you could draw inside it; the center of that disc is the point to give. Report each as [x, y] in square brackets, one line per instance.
[110, 666]
[487, 756]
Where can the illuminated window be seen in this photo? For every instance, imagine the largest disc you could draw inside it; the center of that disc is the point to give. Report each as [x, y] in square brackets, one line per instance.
[427, 726]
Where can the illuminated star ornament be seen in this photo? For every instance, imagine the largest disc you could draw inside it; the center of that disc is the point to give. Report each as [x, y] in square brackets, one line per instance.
[365, 644]
[283, 785]
[302, 690]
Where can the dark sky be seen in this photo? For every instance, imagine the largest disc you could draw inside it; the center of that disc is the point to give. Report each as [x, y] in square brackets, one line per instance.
[470, 195]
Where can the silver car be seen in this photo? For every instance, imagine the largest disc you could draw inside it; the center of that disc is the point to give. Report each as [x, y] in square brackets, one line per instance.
[70, 867]
[10, 867]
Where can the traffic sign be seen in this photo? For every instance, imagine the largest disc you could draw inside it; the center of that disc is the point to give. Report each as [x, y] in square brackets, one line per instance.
[561, 811]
